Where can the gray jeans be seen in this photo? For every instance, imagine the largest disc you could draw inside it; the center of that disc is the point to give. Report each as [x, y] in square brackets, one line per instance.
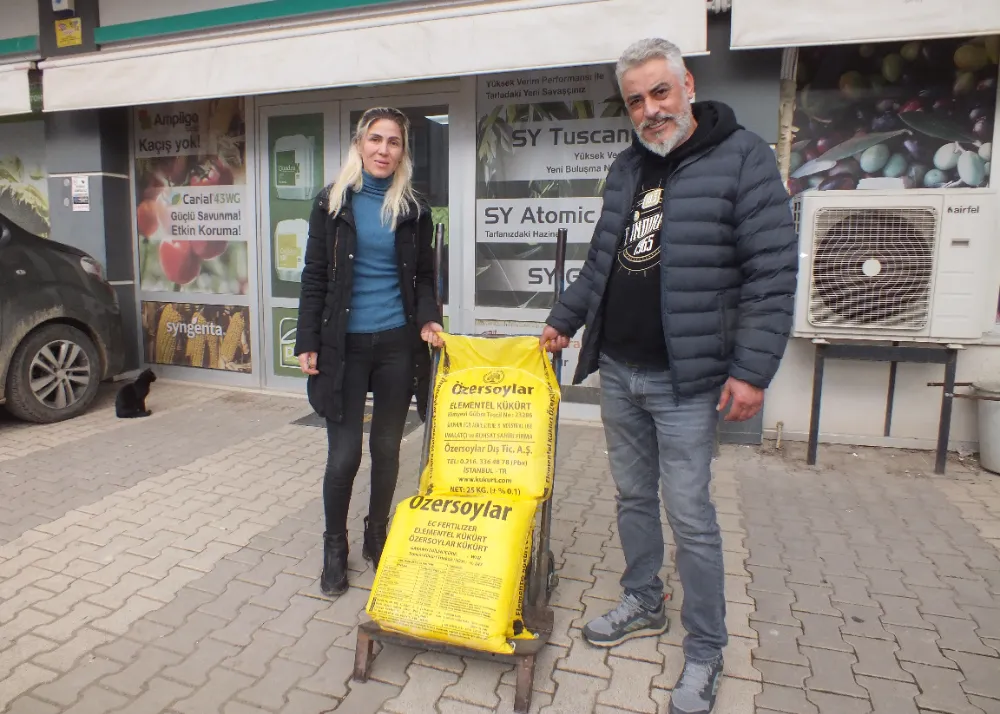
[653, 441]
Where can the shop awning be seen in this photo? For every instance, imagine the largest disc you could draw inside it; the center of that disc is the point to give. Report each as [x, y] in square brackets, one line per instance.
[15, 91]
[792, 23]
[406, 45]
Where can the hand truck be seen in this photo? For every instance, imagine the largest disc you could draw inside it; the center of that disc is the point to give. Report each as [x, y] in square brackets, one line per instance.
[542, 577]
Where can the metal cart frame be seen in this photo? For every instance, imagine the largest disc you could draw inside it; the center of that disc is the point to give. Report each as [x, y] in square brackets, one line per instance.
[542, 578]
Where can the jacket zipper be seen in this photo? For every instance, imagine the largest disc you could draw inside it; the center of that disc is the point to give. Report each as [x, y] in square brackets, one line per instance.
[674, 383]
[336, 243]
[665, 318]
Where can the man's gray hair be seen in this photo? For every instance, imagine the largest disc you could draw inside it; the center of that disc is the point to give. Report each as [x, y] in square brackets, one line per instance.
[651, 48]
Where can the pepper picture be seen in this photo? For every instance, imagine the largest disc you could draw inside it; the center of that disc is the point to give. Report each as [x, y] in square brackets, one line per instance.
[190, 215]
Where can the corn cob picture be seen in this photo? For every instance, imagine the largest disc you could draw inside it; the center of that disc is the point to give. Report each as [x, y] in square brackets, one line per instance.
[214, 345]
[232, 340]
[202, 336]
[195, 351]
[166, 343]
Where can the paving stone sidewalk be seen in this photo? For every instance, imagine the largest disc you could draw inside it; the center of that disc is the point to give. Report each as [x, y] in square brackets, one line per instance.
[169, 565]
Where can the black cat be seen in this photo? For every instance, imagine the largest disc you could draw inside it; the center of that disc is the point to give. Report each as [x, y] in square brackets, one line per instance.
[131, 400]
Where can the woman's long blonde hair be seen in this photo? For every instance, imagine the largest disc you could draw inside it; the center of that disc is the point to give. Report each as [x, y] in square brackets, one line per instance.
[400, 194]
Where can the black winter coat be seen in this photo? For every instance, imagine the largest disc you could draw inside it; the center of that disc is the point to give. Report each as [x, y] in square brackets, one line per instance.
[729, 264]
[325, 300]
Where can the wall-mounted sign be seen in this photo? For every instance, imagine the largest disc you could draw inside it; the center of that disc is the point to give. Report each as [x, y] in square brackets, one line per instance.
[80, 193]
[69, 32]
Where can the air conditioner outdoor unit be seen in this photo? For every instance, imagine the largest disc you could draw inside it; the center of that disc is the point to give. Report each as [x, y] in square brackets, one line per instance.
[907, 265]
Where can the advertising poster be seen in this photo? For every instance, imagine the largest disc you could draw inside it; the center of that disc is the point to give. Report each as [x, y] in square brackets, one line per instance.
[191, 197]
[24, 191]
[545, 142]
[284, 323]
[896, 115]
[295, 167]
[204, 336]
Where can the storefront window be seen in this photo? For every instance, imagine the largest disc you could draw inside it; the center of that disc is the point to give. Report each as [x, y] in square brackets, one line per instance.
[917, 114]
[24, 191]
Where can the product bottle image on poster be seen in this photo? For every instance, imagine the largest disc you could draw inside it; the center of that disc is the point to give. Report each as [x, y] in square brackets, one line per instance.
[290, 238]
[293, 168]
[286, 339]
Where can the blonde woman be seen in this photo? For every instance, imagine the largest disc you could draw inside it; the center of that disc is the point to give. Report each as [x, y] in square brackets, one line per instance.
[366, 312]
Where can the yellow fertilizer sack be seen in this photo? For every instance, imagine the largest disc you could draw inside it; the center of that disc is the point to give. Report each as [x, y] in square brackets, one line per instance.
[453, 570]
[494, 421]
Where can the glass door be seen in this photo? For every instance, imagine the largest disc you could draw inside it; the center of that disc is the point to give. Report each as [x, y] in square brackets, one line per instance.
[300, 154]
[429, 146]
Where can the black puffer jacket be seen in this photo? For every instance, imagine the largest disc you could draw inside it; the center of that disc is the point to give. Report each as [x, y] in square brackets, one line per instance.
[327, 279]
[729, 263]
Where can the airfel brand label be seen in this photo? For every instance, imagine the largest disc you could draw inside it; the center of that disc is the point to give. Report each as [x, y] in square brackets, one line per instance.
[963, 209]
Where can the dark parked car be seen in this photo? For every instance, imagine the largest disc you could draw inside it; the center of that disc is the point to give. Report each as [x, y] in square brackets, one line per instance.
[60, 327]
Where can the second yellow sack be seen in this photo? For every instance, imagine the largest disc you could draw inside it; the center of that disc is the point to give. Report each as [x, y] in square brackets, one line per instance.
[453, 570]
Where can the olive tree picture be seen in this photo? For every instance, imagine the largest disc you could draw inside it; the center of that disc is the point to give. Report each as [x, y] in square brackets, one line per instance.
[24, 196]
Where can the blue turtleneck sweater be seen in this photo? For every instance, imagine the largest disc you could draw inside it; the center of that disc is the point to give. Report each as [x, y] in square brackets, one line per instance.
[376, 301]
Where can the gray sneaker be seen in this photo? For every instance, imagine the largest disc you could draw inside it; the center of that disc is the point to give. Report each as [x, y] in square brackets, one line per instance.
[630, 619]
[695, 691]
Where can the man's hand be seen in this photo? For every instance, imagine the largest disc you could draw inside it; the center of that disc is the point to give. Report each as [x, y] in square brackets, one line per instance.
[746, 398]
[429, 333]
[552, 340]
[307, 362]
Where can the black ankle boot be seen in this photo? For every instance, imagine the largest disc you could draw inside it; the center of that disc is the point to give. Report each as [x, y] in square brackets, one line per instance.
[333, 581]
[375, 537]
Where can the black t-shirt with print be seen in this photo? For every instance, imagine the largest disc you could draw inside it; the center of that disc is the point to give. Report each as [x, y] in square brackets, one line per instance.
[633, 323]
[633, 329]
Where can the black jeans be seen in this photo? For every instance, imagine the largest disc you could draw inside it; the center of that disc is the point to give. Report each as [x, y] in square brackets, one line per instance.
[383, 360]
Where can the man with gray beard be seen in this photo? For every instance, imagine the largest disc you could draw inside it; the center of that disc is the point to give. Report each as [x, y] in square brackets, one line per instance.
[687, 295]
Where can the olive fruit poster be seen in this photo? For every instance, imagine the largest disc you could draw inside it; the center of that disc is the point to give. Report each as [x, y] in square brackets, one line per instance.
[205, 336]
[24, 193]
[544, 143]
[191, 197]
[895, 115]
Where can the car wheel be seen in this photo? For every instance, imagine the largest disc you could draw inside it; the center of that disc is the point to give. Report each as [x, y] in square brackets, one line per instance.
[54, 375]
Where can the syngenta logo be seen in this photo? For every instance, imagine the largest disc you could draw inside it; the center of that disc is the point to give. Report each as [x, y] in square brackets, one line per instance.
[193, 329]
[963, 209]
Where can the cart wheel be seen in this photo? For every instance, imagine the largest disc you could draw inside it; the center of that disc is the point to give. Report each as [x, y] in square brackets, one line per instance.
[553, 580]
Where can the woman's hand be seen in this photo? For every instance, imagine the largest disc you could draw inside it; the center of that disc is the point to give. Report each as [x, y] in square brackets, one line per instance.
[430, 333]
[307, 362]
